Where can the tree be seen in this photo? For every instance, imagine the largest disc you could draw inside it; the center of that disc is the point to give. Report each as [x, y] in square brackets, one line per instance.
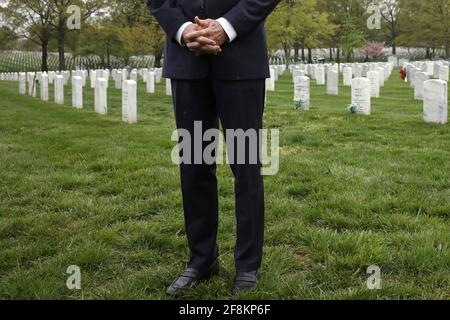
[60, 18]
[374, 49]
[139, 31]
[303, 26]
[348, 16]
[351, 38]
[425, 24]
[32, 20]
[390, 11]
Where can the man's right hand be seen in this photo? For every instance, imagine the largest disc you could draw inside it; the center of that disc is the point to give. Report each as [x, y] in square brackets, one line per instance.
[199, 45]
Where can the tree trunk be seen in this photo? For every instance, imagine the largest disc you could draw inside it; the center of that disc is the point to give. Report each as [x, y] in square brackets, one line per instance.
[61, 43]
[309, 55]
[296, 52]
[108, 57]
[303, 54]
[44, 65]
[394, 35]
[158, 57]
[331, 54]
[428, 54]
[287, 54]
[338, 55]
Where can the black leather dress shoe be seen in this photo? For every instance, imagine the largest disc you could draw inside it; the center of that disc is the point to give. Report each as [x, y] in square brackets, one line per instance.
[191, 277]
[245, 282]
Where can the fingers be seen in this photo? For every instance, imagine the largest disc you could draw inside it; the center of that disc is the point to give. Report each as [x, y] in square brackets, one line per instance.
[208, 49]
[196, 34]
[200, 42]
[203, 23]
[195, 46]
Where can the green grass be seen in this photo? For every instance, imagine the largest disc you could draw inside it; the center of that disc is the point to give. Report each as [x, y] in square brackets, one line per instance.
[352, 191]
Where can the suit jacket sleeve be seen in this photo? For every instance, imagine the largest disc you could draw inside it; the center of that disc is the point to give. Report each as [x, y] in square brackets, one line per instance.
[248, 14]
[168, 14]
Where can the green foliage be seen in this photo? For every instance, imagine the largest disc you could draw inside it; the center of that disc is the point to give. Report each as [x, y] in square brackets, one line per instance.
[8, 38]
[425, 24]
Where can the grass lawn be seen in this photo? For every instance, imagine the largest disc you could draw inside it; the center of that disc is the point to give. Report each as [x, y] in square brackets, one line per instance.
[77, 188]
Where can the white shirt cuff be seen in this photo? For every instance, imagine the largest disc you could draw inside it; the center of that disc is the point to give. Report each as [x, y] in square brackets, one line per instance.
[179, 34]
[229, 29]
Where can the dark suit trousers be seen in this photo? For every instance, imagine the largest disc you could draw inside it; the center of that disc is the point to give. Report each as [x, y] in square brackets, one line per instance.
[237, 105]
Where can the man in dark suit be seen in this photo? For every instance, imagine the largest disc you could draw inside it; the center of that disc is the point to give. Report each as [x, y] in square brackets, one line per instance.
[217, 59]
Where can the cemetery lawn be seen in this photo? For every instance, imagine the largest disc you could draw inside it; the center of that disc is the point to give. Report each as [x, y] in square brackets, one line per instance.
[81, 189]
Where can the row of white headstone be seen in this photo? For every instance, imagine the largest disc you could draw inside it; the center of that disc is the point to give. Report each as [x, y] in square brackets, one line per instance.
[124, 79]
[354, 75]
[99, 80]
[433, 92]
[361, 94]
[370, 77]
[275, 72]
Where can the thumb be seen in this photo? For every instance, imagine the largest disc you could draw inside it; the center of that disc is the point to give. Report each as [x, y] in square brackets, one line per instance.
[200, 22]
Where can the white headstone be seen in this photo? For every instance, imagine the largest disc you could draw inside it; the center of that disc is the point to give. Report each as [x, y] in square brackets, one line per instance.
[435, 104]
[320, 75]
[357, 71]
[66, 76]
[348, 75]
[332, 82]
[402, 62]
[129, 107]
[31, 84]
[59, 89]
[44, 87]
[105, 75]
[412, 71]
[118, 80]
[150, 79]
[436, 70]
[124, 74]
[297, 73]
[168, 87]
[134, 76]
[77, 92]
[158, 75]
[302, 93]
[270, 83]
[381, 75]
[419, 81]
[101, 102]
[92, 77]
[83, 77]
[393, 60]
[361, 101]
[443, 73]
[374, 77]
[51, 77]
[22, 83]
[430, 68]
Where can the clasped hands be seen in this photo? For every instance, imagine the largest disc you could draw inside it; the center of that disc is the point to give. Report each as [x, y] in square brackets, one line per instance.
[204, 37]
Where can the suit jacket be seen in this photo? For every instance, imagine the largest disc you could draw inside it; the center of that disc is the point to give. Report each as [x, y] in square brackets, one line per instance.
[245, 58]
